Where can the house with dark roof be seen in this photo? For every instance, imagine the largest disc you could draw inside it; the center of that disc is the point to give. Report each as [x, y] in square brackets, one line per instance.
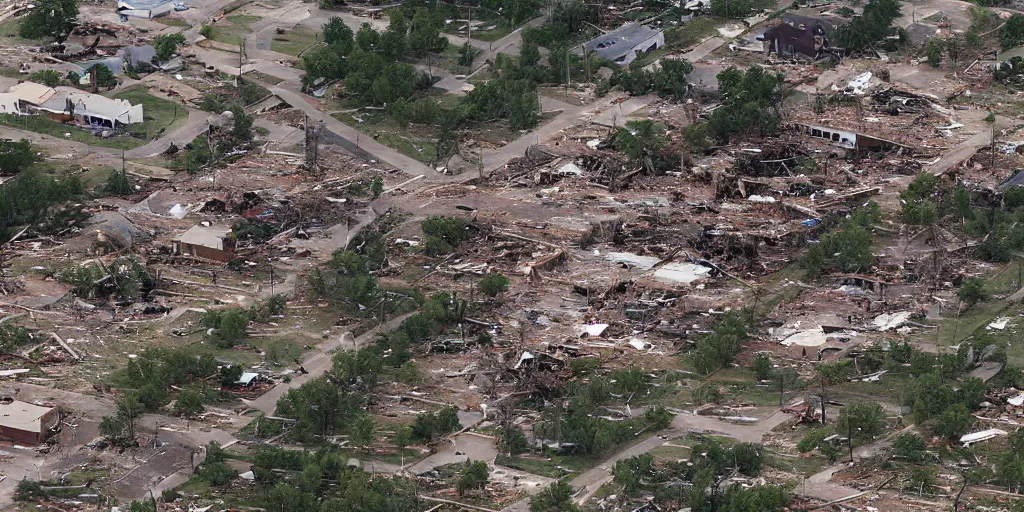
[798, 35]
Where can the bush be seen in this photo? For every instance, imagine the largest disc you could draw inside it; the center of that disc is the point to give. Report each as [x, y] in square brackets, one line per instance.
[493, 284]
[228, 326]
[188, 404]
[723, 344]
[47, 77]
[16, 155]
[909, 446]
[954, 422]
[933, 52]
[763, 367]
[117, 184]
[1013, 32]
[863, 420]
[206, 31]
[472, 475]
[217, 473]
[972, 291]
[512, 440]
[443, 234]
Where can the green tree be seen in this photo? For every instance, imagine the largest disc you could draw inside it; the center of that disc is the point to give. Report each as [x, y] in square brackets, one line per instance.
[425, 34]
[472, 475]
[47, 77]
[632, 472]
[241, 126]
[830, 374]
[1013, 32]
[318, 408]
[640, 140]
[972, 291]
[954, 422]
[873, 25]
[511, 440]
[720, 347]
[188, 404]
[862, 420]
[50, 18]
[364, 431]
[763, 367]
[556, 497]
[118, 184]
[337, 32]
[166, 45]
[909, 446]
[493, 284]
[120, 427]
[933, 52]
[229, 326]
[16, 155]
[104, 76]
[377, 187]
[1009, 467]
[529, 56]
[751, 103]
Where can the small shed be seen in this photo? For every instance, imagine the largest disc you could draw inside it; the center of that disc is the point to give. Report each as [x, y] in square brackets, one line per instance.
[207, 242]
[25, 423]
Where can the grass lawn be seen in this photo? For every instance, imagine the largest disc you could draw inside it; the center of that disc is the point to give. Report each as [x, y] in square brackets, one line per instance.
[263, 77]
[448, 60]
[553, 466]
[390, 133]
[172, 22]
[47, 126]
[233, 28]
[294, 41]
[160, 115]
[9, 33]
[684, 36]
[952, 330]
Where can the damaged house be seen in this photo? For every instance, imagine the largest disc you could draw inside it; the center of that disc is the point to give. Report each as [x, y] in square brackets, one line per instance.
[144, 8]
[25, 423]
[206, 242]
[624, 44]
[798, 35]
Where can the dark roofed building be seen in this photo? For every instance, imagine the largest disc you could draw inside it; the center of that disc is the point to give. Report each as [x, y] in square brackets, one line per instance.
[798, 35]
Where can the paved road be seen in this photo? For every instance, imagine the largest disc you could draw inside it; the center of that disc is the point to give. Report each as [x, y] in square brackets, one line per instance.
[321, 362]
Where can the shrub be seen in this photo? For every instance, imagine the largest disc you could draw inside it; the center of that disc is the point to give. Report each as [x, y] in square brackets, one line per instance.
[188, 404]
[493, 284]
[909, 446]
[472, 475]
[206, 31]
[443, 234]
[972, 291]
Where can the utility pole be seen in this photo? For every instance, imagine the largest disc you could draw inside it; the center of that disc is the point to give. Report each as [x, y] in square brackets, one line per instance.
[469, 28]
[568, 77]
[241, 60]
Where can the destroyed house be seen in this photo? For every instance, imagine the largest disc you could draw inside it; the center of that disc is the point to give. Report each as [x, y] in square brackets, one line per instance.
[624, 44]
[24, 423]
[207, 242]
[31, 95]
[144, 8]
[797, 35]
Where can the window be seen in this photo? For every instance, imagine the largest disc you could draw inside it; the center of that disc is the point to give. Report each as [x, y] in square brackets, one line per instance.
[835, 137]
[815, 133]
